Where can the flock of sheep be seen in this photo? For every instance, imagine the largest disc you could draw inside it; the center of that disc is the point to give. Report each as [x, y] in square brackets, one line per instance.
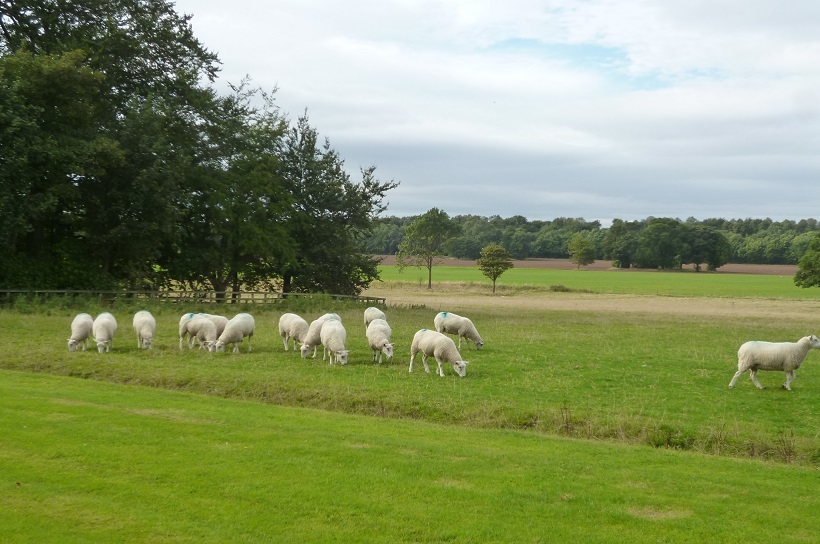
[214, 332]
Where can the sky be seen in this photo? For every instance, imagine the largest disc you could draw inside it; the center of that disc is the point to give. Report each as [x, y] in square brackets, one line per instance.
[598, 109]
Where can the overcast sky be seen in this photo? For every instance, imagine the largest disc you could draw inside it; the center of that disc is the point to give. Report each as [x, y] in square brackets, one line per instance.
[598, 109]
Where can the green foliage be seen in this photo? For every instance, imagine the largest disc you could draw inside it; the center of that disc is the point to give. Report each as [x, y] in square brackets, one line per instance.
[425, 241]
[581, 251]
[494, 261]
[808, 272]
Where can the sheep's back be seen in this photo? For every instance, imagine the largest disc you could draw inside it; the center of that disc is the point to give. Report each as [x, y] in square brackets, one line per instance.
[771, 355]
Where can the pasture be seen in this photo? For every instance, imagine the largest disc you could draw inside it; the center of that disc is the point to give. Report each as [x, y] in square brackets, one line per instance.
[604, 415]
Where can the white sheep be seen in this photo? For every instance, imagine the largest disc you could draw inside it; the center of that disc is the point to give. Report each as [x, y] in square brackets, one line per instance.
[183, 329]
[313, 337]
[220, 321]
[333, 337]
[785, 356]
[145, 326]
[441, 347]
[103, 329]
[372, 313]
[292, 327]
[238, 327]
[378, 337]
[450, 323]
[203, 329]
[80, 331]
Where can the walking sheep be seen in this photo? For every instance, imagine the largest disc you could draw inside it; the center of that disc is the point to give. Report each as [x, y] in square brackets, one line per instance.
[238, 327]
[450, 323]
[441, 347]
[785, 356]
[313, 337]
[292, 327]
[333, 336]
[145, 326]
[372, 313]
[103, 329]
[378, 337]
[80, 331]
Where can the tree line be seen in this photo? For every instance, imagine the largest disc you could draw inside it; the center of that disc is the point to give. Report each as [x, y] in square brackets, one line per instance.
[654, 242]
[122, 166]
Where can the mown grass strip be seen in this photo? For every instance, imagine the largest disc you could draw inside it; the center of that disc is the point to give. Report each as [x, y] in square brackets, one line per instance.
[83, 461]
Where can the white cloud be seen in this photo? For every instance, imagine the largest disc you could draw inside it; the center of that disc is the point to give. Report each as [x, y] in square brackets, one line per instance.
[595, 109]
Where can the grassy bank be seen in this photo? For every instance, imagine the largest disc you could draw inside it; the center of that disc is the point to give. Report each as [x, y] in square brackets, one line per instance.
[83, 461]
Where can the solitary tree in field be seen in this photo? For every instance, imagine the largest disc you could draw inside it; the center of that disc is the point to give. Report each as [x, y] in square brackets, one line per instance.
[581, 251]
[808, 271]
[494, 261]
[424, 241]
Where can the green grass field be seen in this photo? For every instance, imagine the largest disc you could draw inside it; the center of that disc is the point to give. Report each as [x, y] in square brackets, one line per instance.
[675, 283]
[604, 426]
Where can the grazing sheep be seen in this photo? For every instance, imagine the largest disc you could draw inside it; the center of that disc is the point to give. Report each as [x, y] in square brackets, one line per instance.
[183, 330]
[292, 327]
[220, 321]
[441, 347]
[238, 327]
[785, 356]
[80, 331]
[372, 313]
[378, 337]
[202, 329]
[145, 326]
[313, 337]
[333, 337]
[450, 323]
[103, 329]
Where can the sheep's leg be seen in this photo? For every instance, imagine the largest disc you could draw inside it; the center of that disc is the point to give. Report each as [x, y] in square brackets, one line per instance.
[412, 357]
[250, 348]
[754, 379]
[424, 360]
[790, 376]
[735, 377]
[286, 340]
[439, 371]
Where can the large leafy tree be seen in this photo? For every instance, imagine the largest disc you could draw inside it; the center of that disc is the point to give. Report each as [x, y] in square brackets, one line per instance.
[425, 241]
[109, 95]
[331, 216]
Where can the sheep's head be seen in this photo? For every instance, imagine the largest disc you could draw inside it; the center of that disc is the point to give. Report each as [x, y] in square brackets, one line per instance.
[304, 349]
[104, 346]
[387, 349]
[814, 341]
[208, 345]
[147, 343]
[72, 344]
[479, 344]
[342, 356]
[461, 368]
[219, 345]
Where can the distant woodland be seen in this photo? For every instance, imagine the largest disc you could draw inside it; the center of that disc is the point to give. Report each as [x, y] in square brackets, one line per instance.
[649, 243]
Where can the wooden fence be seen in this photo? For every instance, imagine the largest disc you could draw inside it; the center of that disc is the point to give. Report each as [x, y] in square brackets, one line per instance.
[198, 297]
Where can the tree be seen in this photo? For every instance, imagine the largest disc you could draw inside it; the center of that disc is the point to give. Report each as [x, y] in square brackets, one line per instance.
[581, 250]
[494, 261]
[621, 242]
[660, 244]
[808, 270]
[425, 240]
